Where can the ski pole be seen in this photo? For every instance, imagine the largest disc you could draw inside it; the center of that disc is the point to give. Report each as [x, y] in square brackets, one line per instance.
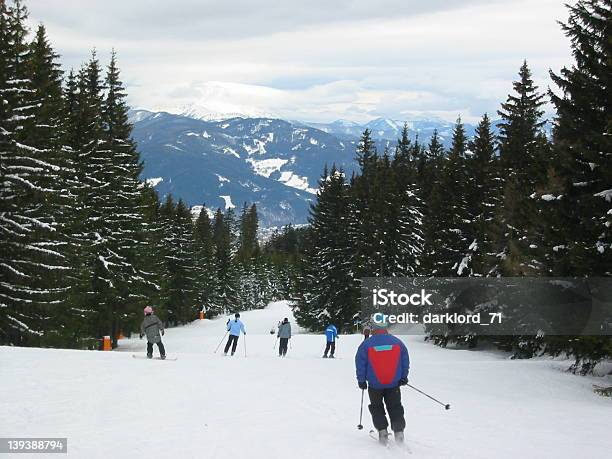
[220, 342]
[244, 345]
[275, 343]
[445, 405]
[360, 426]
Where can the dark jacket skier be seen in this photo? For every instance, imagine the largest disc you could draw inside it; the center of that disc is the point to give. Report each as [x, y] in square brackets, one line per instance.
[382, 365]
[152, 326]
[284, 334]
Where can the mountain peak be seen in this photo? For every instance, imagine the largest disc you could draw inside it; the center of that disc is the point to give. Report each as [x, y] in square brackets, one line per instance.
[219, 101]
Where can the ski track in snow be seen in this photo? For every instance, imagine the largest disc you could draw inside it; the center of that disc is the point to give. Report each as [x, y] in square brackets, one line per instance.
[208, 406]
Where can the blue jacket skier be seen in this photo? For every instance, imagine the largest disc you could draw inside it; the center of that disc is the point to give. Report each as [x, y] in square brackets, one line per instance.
[234, 327]
[382, 364]
[331, 334]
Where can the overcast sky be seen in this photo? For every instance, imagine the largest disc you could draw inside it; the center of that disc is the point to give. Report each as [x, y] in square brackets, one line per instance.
[315, 60]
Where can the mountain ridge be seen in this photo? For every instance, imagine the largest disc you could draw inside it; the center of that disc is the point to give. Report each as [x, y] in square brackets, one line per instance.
[271, 162]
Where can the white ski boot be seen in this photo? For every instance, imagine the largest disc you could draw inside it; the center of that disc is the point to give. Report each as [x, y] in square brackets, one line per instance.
[399, 437]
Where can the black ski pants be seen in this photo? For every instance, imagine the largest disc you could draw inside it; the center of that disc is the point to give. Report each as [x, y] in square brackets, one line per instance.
[282, 347]
[330, 347]
[160, 346]
[233, 342]
[392, 399]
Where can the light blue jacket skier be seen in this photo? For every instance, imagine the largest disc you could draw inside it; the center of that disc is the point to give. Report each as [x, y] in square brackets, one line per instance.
[235, 326]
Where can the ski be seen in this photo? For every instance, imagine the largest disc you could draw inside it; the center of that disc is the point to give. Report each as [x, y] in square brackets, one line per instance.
[391, 443]
[172, 359]
[602, 390]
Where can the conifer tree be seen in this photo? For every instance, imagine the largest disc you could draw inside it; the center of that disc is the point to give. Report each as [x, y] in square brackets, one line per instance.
[431, 163]
[204, 252]
[447, 228]
[178, 289]
[152, 251]
[404, 210]
[579, 208]
[248, 247]
[34, 251]
[362, 220]
[366, 150]
[223, 235]
[583, 142]
[482, 198]
[328, 292]
[125, 215]
[94, 289]
[523, 150]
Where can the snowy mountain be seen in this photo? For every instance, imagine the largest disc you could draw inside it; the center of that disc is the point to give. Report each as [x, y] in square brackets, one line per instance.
[204, 113]
[221, 100]
[388, 129]
[273, 163]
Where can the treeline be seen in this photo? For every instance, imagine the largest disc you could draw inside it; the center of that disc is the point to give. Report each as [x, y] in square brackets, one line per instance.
[84, 244]
[210, 264]
[513, 204]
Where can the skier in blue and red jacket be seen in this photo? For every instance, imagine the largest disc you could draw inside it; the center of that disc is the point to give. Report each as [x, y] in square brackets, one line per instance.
[382, 365]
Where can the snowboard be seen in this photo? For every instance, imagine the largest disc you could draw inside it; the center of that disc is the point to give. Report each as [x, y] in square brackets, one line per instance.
[136, 356]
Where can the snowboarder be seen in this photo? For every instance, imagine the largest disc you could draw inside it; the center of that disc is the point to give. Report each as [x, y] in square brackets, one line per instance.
[152, 326]
[284, 334]
[331, 334]
[234, 327]
[382, 365]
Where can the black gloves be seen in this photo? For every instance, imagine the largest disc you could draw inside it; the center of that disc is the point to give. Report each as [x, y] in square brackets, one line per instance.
[363, 385]
[141, 335]
[403, 381]
[163, 331]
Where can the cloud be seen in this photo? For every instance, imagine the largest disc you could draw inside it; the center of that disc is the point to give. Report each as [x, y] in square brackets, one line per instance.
[187, 20]
[317, 60]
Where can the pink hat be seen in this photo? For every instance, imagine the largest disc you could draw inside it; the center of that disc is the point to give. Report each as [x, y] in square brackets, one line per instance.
[148, 310]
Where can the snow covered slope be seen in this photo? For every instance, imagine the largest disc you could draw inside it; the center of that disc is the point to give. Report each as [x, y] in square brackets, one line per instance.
[208, 406]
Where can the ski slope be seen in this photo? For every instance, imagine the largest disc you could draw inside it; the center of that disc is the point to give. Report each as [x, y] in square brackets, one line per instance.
[204, 405]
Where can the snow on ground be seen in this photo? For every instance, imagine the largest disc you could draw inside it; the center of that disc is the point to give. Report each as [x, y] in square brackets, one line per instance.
[266, 167]
[228, 201]
[222, 180]
[154, 181]
[295, 181]
[205, 405]
[230, 151]
[258, 147]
